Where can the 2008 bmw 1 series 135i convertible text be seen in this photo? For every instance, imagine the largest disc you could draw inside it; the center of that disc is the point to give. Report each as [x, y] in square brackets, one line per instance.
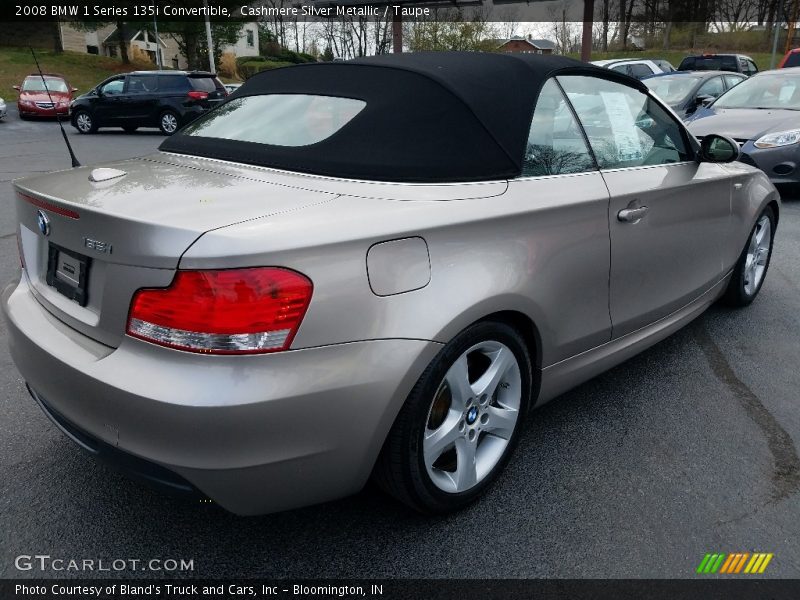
[373, 268]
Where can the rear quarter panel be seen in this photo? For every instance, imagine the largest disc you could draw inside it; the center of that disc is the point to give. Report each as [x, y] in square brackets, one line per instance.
[541, 249]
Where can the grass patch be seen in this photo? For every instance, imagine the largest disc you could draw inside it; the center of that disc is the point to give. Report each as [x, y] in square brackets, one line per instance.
[82, 71]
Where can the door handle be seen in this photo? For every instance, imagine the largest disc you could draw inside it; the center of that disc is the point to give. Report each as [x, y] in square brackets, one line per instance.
[737, 186]
[632, 215]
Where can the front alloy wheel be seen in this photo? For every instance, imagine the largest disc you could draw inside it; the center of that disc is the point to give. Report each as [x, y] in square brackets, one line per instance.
[470, 423]
[751, 268]
[758, 250]
[460, 422]
[168, 123]
[84, 123]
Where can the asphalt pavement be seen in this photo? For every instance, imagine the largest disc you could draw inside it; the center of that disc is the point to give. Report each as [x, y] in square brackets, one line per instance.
[689, 448]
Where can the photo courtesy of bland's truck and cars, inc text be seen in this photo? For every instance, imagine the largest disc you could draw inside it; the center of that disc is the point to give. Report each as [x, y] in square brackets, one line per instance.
[409, 299]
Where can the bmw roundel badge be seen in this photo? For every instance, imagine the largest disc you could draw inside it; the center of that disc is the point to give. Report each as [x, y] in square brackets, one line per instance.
[44, 223]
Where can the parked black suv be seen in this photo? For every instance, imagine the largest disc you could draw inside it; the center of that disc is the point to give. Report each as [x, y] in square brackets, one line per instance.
[736, 63]
[163, 99]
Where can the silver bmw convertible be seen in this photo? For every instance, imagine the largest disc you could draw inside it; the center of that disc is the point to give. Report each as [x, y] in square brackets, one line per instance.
[372, 268]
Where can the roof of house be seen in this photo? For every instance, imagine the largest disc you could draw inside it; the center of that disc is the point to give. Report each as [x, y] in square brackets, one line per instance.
[428, 116]
[540, 44]
[131, 31]
[543, 44]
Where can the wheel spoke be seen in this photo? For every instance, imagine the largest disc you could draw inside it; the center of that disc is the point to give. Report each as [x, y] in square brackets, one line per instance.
[761, 231]
[502, 360]
[751, 248]
[466, 474]
[457, 379]
[439, 440]
[501, 421]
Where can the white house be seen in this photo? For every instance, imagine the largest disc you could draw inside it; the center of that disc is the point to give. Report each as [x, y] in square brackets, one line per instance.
[106, 42]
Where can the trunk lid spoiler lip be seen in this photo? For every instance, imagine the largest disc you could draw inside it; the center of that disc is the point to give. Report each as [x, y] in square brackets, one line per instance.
[377, 190]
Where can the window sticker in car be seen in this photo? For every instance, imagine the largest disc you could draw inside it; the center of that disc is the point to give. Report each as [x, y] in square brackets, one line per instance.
[626, 139]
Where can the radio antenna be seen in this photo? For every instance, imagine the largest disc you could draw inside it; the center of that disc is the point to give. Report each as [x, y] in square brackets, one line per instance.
[75, 162]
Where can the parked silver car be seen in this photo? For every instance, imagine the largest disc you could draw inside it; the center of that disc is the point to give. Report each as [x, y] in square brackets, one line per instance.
[761, 115]
[323, 280]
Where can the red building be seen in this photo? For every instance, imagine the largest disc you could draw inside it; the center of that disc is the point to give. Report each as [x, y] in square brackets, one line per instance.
[525, 45]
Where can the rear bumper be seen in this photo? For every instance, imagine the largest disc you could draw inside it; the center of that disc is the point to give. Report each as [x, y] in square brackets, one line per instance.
[134, 467]
[255, 434]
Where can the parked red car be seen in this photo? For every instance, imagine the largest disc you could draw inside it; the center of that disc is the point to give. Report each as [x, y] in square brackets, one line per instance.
[34, 100]
[790, 59]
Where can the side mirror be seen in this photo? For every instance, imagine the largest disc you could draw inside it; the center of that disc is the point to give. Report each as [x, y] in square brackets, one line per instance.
[704, 100]
[16, 87]
[718, 149]
[73, 90]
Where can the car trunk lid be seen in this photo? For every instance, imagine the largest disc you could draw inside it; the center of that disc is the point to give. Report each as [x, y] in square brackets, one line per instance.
[128, 232]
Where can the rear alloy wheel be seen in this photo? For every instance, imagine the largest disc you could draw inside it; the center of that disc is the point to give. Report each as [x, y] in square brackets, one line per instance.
[168, 123]
[461, 421]
[84, 122]
[751, 268]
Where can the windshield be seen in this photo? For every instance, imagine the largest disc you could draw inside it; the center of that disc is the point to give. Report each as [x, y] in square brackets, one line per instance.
[278, 119]
[672, 90]
[35, 84]
[764, 91]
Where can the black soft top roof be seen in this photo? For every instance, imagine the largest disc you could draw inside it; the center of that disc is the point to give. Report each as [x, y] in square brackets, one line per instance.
[429, 116]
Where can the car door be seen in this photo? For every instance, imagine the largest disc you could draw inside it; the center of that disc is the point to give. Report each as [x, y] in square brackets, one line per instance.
[106, 105]
[141, 99]
[733, 80]
[669, 215]
[713, 87]
[565, 206]
[639, 70]
[749, 68]
[635, 70]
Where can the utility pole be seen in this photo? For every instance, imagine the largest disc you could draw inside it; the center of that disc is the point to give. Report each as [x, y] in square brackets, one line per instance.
[159, 60]
[777, 28]
[397, 33]
[586, 38]
[210, 43]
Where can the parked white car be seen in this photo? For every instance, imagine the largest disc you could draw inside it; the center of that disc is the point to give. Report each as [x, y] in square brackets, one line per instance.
[2, 108]
[636, 67]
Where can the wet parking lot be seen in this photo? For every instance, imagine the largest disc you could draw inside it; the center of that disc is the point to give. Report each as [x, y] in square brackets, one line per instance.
[689, 448]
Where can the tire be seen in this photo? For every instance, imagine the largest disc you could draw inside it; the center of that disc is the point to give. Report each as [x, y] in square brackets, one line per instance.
[751, 268]
[84, 122]
[131, 129]
[421, 461]
[169, 122]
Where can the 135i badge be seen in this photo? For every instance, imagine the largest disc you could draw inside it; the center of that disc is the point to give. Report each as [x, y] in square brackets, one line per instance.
[97, 245]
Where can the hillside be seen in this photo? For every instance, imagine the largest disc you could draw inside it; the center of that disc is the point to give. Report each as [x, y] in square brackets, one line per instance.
[82, 71]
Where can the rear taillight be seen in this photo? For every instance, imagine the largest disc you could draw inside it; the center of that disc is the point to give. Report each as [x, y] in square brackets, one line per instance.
[198, 95]
[235, 311]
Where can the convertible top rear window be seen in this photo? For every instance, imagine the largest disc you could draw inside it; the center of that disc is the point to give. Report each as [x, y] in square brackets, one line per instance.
[419, 117]
[278, 119]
